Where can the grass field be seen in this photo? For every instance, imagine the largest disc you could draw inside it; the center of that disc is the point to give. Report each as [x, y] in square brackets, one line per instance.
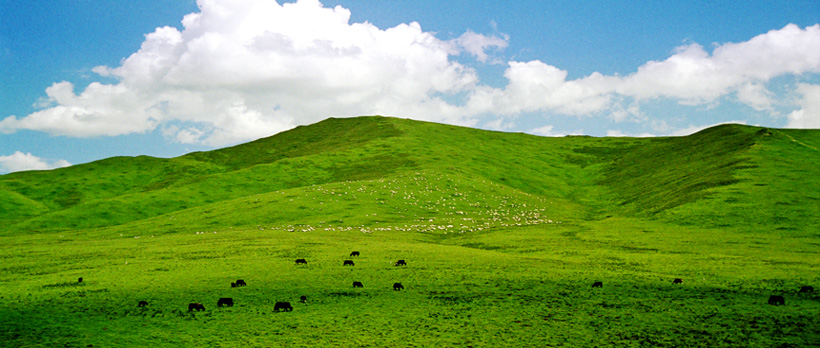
[503, 235]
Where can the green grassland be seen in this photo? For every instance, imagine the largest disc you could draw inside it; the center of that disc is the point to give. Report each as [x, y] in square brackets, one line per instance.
[503, 235]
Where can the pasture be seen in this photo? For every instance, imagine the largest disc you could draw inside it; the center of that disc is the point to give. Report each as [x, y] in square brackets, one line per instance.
[526, 285]
[503, 236]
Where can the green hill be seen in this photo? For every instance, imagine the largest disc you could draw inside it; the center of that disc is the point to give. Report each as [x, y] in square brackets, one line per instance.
[712, 177]
[503, 234]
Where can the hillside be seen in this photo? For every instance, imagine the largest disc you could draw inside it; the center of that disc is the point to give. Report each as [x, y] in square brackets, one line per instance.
[503, 236]
[712, 177]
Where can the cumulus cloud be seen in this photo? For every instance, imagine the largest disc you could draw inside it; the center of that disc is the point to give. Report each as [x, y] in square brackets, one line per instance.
[755, 95]
[100, 110]
[499, 124]
[478, 44]
[548, 131]
[244, 69]
[19, 161]
[537, 86]
[249, 68]
[695, 77]
[808, 116]
[691, 76]
[620, 133]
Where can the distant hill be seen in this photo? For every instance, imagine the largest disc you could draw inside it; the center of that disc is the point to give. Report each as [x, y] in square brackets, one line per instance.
[756, 179]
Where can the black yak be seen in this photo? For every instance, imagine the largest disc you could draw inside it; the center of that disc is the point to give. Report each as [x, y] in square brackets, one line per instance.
[777, 300]
[401, 263]
[358, 285]
[142, 304]
[397, 286]
[355, 253]
[225, 301]
[195, 307]
[240, 282]
[301, 262]
[285, 306]
[348, 263]
[807, 289]
[677, 281]
[80, 280]
[598, 285]
[303, 298]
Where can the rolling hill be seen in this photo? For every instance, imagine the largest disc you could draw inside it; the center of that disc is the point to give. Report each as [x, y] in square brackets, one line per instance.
[713, 177]
[503, 235]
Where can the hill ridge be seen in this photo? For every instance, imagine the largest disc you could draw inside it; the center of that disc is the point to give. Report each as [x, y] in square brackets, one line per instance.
[669, 177]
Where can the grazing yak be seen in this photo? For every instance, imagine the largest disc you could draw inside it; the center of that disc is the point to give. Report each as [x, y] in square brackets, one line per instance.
[348, 263]
[284, 306]
[240, 282]
[397, 286]
[225, 301]
[195, 307]
[303, 298]
[677, 281]
[355, 253]
[598, 285]
[142, 304]
[301, 262]
[358, 285]
[807, 289]
[401, 263]
[80, 280]
[777, 300]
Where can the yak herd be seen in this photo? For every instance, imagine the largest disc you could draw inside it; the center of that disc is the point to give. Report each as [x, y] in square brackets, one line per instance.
[278, 306]
[286, 306]
[776, 300]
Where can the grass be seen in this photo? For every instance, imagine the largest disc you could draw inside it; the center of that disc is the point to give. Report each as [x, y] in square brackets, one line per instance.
[503, 235]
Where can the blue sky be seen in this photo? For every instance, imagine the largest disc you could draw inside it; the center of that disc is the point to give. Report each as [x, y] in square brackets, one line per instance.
[85, 80]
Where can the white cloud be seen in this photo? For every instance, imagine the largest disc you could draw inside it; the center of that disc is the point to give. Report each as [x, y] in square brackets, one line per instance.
[499, 124]
[548, 131]
[756, 96]
[249, 68]
[631, 112]
[537, 86]
[244, 69]
[100, 110]
[19, 161]
[477, 44]
[695, 77]
[808, 116]
[691, 75]
[544, 131]
[619, 133]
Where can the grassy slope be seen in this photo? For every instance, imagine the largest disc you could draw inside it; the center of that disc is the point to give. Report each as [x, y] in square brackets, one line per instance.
[331, 151]
[503, 234]
[117, 190]
[711, 177]
[777, 188]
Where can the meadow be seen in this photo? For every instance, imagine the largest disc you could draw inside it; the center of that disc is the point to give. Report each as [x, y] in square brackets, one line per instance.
[503, 235]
